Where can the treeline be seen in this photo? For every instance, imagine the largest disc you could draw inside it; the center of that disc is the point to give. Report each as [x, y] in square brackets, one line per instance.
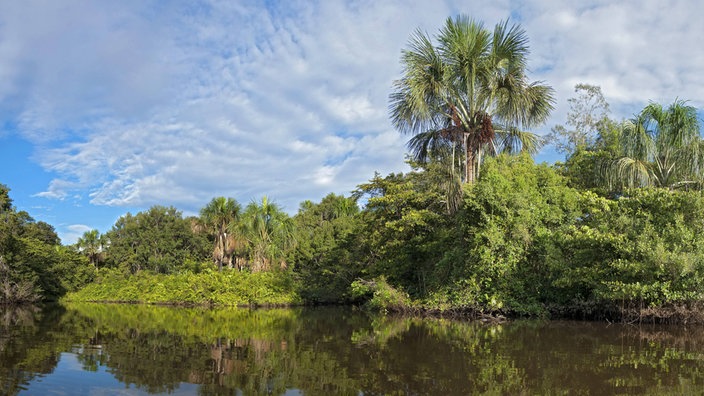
[524, 239]
[614, 232]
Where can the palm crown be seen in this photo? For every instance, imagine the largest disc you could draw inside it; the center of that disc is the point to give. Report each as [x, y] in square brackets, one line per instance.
[469, 91]
[661, 147]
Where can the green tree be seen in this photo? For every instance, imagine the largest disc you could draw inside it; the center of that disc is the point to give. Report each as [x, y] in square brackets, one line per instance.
[661, 147]
[220, 217]
[91, 244]
[405, 230]
[509, 221]
[324, 256]
[640, 251]
[5, 200]
[158, 240]
[469, 91]
[33, 264]
[269, 234]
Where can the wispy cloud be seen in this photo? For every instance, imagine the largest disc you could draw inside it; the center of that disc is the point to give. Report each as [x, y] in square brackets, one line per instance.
[73, 232]
[138, 103]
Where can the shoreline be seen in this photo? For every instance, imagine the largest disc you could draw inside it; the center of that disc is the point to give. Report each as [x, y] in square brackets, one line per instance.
[666, 315]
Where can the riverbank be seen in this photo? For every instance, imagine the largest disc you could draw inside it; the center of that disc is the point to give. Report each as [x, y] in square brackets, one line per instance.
[380, 296]
[281, 289]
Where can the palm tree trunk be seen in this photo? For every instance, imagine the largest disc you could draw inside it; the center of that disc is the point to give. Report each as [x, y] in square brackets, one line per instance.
[470, 176]
[470, 160]
[221, 252]
[477, 168]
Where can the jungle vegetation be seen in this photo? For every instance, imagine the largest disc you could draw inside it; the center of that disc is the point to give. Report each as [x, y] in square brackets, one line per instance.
[476, 227]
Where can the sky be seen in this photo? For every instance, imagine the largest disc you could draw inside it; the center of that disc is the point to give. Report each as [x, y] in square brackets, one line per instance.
[109, 107]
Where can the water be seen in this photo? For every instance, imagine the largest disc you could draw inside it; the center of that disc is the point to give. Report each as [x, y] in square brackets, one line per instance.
[92, 349]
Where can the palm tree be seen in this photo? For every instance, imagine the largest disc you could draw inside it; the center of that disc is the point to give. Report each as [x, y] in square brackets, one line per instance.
[469, 92]
[220, 216]
[91, 244]
[269, 232]
[661, 147]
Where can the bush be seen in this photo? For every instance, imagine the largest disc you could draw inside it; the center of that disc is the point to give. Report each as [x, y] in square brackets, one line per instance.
[379, 295]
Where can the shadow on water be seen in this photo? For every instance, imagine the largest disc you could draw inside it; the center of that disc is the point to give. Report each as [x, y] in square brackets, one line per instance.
[323, 351]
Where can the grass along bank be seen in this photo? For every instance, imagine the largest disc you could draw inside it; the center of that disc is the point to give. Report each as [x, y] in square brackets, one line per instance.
[227, 288]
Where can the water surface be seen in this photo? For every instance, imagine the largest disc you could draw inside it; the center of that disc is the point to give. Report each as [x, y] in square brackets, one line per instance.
[93, 349]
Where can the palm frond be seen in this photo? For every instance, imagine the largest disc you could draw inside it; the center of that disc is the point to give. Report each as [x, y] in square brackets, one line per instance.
[426, 144]
[636, 141]
[512, 140]
[634, 172]
[416, 100]
[510, 46]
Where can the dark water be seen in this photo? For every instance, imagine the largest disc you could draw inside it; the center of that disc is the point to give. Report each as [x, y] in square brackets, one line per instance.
[128, 350]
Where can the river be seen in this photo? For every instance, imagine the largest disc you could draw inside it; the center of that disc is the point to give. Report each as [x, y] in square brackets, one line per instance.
[98, 349]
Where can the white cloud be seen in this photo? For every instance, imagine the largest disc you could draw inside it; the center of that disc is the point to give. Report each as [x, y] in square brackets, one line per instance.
[73, 232]
[136, 104]
[634, 50]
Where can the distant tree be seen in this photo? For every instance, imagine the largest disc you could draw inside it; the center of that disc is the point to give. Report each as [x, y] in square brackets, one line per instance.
[269, 233]
[5, 201]
[42, 231]
[158, 240]
[220, 217]
[661, 147]
[325, 244]
[91, 245]
[469, 92]
[586, 167]
[589, 112]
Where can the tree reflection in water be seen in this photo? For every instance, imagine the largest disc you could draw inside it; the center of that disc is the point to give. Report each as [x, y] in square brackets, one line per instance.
[325, 351]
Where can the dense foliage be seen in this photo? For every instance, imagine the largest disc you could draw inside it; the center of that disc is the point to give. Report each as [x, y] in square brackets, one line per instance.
[33, 263]
[525, 242]
[325, 259]
[159, 240]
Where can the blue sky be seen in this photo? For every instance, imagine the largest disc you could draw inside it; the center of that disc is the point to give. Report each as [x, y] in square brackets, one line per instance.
[114, 106]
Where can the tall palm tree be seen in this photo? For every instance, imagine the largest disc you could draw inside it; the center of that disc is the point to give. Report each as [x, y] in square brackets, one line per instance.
[220, 216]
[269, 232]
[91, 244]
[469, 92]
[661, 147]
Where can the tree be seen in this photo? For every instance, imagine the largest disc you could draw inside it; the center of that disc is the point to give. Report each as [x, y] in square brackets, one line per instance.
[510, 219]
[325, 245]
[158, 240]
[269, 233]
[405, 230]
[469, 92]
[589, 112]
[33, 264]
[661, 147]
[588, 140]
[5, 200]
[91, 245]
[220, 216]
